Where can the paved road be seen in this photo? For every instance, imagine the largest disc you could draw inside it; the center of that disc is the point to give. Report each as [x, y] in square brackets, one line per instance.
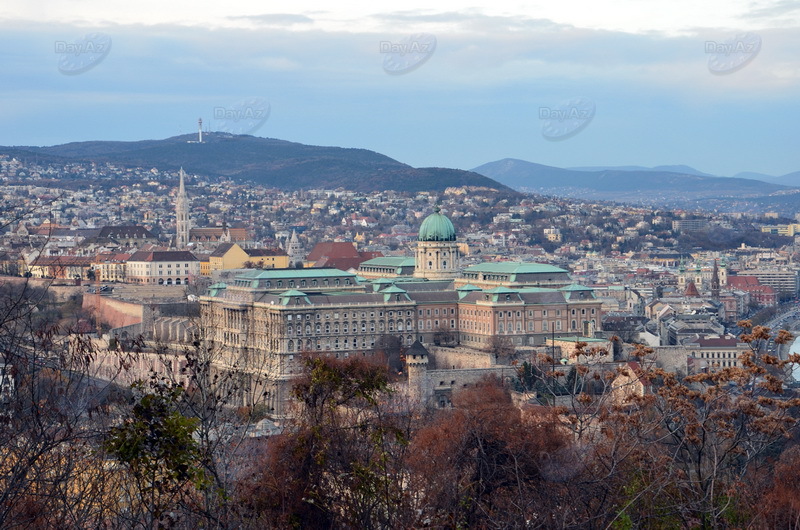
[788, 320]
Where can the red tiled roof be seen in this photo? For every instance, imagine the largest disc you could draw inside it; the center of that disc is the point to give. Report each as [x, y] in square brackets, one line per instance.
[716, 341]
[332, 249]
[339, 263]
[64, 261]
[742, 281]
[213, 234]
[691, 290]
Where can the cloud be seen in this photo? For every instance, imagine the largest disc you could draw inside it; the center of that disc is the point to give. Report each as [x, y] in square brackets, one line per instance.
[275, 19]
[475, 99]
[778, 12]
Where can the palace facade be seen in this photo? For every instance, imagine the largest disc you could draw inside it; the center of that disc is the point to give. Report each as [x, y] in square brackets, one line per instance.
[270, 316]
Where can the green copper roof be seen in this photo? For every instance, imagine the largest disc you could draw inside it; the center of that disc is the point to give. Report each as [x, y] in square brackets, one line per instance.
[464, 290]
[287, 296]
[292, 292]
[502, 290]
[279, 274]
[389, 261]
[576, 287]
[513, 267]
[437, 227]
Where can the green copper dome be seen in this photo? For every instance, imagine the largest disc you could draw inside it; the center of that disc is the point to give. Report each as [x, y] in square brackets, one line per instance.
[437, 227]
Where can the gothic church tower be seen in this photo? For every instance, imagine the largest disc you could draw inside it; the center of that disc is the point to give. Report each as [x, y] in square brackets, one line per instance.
[182, 215]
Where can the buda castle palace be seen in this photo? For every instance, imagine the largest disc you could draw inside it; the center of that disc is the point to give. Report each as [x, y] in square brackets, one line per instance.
[273, 315]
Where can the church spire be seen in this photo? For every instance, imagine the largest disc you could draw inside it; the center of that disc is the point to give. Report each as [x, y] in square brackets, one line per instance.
[182, 214]
[715, 282]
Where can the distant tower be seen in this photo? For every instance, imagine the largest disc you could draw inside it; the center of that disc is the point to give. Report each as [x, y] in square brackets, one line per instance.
[715, 282]
[294, 249]
[182, 215]
[417, 368]
[437, 249]
[200, 131]
[225, 237]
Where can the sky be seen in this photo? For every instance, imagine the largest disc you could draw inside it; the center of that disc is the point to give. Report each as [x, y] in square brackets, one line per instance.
[711, 84]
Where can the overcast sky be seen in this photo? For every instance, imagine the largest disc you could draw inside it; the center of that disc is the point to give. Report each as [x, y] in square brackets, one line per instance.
[711, 84]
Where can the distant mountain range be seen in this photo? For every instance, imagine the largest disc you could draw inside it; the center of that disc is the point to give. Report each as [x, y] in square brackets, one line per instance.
[289, 166]
[790, 179]
[658, 185]
[684, 170]
[267, 161]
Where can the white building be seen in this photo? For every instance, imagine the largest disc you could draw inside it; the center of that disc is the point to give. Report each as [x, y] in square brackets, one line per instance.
[173, 267]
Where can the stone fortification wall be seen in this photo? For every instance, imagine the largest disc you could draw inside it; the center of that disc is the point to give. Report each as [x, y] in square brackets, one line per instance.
[438, 385]
[57, 288]
[442, 358]
[671, 358]
[112, 312]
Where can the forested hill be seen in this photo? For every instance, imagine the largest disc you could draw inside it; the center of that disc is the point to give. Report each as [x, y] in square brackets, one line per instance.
[267, 161]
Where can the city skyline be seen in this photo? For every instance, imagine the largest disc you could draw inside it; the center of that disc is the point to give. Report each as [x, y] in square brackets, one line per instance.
[487, 83]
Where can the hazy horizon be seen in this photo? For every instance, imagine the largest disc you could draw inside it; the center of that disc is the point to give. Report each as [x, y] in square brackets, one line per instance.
[710, 86]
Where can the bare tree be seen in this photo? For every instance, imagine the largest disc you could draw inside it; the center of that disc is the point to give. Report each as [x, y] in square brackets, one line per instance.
[55, 415]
